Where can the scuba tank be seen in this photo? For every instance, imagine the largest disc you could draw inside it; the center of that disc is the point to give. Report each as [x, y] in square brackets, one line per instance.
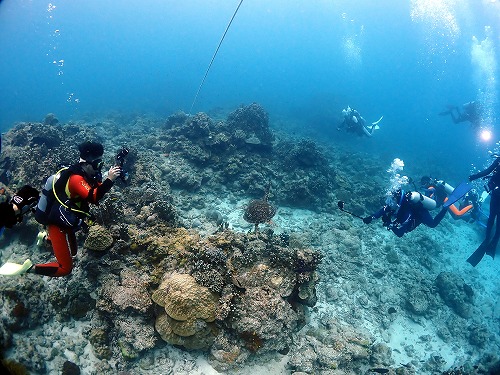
[45, 203]
[427, 202]
[447, 187]
[52, 210]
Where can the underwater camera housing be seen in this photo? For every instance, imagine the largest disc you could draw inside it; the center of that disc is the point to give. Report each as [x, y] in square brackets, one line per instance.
[120, 159]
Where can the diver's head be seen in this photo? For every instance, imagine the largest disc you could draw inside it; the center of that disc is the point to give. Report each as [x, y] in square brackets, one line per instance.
[395, 198]
[91, 157]
[472, 196]
[90, 151]
[426, 181]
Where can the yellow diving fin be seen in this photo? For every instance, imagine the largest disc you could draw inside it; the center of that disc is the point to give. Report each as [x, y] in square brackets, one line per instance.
[14, 269]
[41, 237]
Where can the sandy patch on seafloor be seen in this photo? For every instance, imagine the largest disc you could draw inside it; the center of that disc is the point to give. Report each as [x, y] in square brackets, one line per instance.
[418, 341]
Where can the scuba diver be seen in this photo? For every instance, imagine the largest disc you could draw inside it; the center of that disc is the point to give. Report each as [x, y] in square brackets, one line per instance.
[355, 123]
[64, 205]
[438, 190]
[489, 245]
[23, 201]
[12, 211]
[405, 211]
[469, 208]
[470, 112]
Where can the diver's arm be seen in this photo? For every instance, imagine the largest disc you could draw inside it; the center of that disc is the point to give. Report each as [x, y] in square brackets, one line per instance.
[7, 215]
[486, 172]
[341, 125]
[78, 186]
[384, 210]
[398, 230]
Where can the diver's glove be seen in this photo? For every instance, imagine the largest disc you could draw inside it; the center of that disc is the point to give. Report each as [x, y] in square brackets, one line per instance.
[408, 196]
[391, 226]
[368, 219]
[26, 198]
[83, 226]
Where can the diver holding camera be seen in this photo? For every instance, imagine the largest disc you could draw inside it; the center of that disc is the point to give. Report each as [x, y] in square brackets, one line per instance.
[120, 159]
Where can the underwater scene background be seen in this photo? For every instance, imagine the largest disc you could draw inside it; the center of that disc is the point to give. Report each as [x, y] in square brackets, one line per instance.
[178, 275]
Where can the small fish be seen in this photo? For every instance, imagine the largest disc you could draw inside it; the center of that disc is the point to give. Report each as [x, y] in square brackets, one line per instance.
[380, 370]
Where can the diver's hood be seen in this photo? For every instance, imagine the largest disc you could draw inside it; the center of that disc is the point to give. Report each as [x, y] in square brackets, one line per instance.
[391, 202]
[346, 112]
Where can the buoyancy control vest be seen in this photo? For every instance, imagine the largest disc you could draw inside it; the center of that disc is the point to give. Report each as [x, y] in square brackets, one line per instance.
[56, 207]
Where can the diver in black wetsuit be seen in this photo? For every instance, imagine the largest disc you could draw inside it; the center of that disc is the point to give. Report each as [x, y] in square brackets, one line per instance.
[470, 112]
[23, 201]
[488, 246]
[404, 212]
[355, 123]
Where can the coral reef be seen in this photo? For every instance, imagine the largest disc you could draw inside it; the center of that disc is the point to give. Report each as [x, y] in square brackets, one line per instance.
[256, 307]
[170, 235]
[98, 239]
[455, 293]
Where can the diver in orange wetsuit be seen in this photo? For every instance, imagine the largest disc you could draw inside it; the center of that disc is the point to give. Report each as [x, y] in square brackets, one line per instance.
[439, 191]
[65, 204]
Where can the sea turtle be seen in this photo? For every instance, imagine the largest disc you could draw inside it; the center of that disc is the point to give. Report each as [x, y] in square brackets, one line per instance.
[259, 210]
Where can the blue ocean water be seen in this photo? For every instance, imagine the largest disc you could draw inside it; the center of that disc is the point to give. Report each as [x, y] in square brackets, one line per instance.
[302, 60]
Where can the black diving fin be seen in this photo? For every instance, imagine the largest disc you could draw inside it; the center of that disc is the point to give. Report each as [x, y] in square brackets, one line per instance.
[477, 255]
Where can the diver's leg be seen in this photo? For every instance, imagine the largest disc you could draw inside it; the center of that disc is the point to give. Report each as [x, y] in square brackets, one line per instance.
[64, 245]
[368, 132]
[495, 204]
[455, 115]
[492, 246]
[491, 220]
[433, 222]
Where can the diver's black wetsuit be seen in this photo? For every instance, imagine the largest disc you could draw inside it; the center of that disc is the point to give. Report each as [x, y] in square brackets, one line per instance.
[7, 215]
[358, 127]
[408, 217]
[487, 246]
[470, 112]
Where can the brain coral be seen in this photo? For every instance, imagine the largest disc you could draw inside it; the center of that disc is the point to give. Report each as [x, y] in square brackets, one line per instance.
[98, 239]
[184, 299]
[190, 308]
[203, 337]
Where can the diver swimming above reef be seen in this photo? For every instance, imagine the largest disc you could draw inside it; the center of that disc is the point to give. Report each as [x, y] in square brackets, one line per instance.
[353, 122]
[405, 211]
[470, 112]
[439, 191]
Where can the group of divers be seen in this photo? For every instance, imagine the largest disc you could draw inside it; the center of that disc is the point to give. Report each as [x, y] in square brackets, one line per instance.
[406, 210]
[63, 205]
